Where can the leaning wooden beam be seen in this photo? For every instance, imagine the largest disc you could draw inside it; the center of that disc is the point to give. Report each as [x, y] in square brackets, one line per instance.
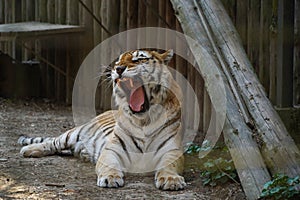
[278, 148]
[244, 150]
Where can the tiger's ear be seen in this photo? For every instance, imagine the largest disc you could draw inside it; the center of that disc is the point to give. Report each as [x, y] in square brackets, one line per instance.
[167, 56]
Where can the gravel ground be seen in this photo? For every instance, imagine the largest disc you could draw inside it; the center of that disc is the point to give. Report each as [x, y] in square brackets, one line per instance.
[65, 177]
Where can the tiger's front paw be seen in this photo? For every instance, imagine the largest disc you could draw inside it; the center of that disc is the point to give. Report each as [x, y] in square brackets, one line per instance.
[111, 180]
[170, 182]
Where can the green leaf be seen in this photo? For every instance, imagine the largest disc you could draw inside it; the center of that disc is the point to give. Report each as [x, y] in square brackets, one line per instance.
[208, 165]
[267, 185]
[206, 181]
[275, 190]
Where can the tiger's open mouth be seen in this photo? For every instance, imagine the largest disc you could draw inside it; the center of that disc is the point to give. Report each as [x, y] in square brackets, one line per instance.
[135, 93]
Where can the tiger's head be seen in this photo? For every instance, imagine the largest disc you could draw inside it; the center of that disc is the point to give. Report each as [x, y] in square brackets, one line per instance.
[142, 81]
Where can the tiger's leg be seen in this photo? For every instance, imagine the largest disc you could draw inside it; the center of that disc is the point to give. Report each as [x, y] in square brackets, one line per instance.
[108, 169]
[167, 176]
[39, 147]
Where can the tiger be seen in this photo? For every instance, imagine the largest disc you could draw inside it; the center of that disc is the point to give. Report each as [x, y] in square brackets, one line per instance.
[144, 132]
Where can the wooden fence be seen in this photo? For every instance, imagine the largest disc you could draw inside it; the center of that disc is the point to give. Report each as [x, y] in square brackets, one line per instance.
[255, 20]
[269, 30]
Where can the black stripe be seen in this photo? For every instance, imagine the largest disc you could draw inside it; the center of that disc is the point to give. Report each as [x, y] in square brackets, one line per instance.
[164, 142]
[166, 125]
[78, 134]
[96, 139]
[31, 140]
[136, 144]
[42, 139]
[108, 133]
[122, 143]
[54, 144]
[91, 127]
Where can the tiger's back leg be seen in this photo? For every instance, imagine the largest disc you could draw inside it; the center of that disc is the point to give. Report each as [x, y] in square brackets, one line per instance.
[85, 141]
[39, 146]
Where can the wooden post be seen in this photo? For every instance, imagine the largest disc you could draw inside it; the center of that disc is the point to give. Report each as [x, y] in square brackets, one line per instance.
[285, 53]
[244, 150]
[277, 148]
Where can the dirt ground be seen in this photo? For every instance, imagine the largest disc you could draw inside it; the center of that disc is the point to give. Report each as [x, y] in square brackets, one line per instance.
[65, 177]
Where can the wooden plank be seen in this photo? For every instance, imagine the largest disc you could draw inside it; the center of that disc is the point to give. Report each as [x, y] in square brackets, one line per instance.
[51, 11]
[264, 43]
[297, 55]
[60, 52]
[2, 6]
[142, 21]
[230, 6]
[18, 18]
[152, 17]
[285, 53]
[242, 20]
[2, 20]
[123, 15]
[9, 18]
[18, 11]
[171, 21]
[112, 24]
[273, 53]
[60, 10]
[199, 90]
[42, 7]
[72, 16]
[86, 40]
[253, 30]
[132, 22]
[162, 12]
[73, 57]
[97, 27]
[104, 101]
[30, 16]
[113, 16]
[28, 30]
[30, 8]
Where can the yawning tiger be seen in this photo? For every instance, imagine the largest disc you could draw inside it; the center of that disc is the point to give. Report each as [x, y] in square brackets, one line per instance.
[143, 134]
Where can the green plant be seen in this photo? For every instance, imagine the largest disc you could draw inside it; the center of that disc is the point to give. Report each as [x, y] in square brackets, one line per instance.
[217, 167]
[218, 171]
[281, 187]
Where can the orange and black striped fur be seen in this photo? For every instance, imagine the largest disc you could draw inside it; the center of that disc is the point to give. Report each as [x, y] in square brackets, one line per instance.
[143, 135]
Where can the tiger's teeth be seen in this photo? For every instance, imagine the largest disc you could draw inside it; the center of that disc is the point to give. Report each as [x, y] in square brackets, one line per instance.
[131, 83]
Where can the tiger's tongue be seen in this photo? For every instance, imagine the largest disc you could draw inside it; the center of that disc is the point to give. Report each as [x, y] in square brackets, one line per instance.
[137, 99]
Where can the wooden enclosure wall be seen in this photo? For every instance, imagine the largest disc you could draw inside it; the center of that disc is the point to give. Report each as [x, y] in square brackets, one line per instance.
[256, 21]
[257, 24]
[101, 19]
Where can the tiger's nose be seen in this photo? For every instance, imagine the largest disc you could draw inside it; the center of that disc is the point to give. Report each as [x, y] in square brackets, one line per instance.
[120, 70]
